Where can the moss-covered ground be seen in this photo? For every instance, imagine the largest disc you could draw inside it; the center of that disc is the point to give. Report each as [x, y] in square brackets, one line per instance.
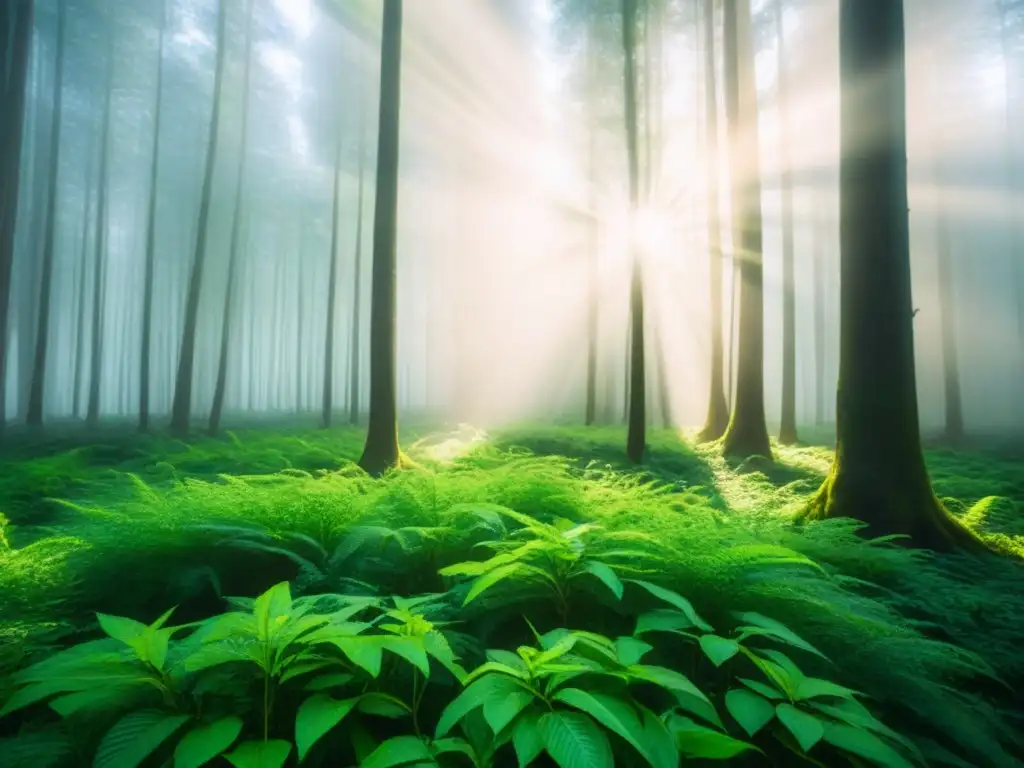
[130, 525]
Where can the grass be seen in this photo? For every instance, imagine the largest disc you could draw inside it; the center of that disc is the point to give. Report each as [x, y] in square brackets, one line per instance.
[133, 524]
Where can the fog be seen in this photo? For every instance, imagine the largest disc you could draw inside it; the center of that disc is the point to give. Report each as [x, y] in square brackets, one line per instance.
[506, 165]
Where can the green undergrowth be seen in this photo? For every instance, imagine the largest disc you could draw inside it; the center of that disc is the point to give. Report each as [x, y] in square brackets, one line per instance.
[129, 529]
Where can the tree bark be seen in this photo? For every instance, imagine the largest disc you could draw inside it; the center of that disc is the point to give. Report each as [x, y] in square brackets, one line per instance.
[747, 433]
[819, 327]
[717, 418]
[787, 428]
[230, 291]
[181, 408]
[18, 22]
[327, 409]
[879, 474]
[147, 295]
[355, 342]
[381, 450]
[590, 407]
[636, 439]
[37, 387]
[954, 432]
[82, 299]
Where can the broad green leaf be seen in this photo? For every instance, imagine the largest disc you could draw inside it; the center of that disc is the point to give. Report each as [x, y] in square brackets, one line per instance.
[272, 609]
[751, 711]
[100, 699]
[700, 707]
[765, 690]
[365, 652]
[495, 667]
[718, 649]
[527, 740]
[616, 715]
[696, 741]
[409, 648]
[135, 737]
[663, 620]
[260, 754]
[666, 678]
[383, 705]
[499, 712]
[400, 750]
[316, 716]
[573, 740]
[437, 646]
[482, 583]
[630, 650]
[507, 658]
[452, 745]
[675, 600]
[854, 713]
[813, 687]
[553, 654]
[476, 694]
[161, 620]
[764, 626]
[806, 728]
[204, 742]
[864, 744]
[128, 631]
[128, 676]
[606, 575]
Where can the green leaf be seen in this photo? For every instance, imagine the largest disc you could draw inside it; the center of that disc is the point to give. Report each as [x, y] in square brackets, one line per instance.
[383, 705]
[697, 741]
[606, 575]
[316, 716]
[663, 620]
[751, 711]
[675, 600]
[272, 609]
[409, 648]
[806, 728]
[491, 687]
[366, 652]
[813, 687]
[766, 627]
[527, 740]
[204, 742]
[666, 678]
[554, 653]
[616, 715]
[135, 737]
[99, 699]
[437, 646]
[400, 750]
[128, 631]
[325, 682]
[482, 583]
[573, 740]
[863, 744]
[499, 712]
[260, 754]
[718, 649]
[765, 690]
[854, 713]
[630, 650]
[452, 745]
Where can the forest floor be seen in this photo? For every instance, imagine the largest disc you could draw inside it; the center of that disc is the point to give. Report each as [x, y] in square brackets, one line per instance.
[130, 525]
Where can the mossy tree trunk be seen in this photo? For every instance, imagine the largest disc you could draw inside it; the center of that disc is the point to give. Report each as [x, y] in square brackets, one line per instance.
[879, 474]
[718, 409]
[231, 287]
[747, 432]
[381, 450]
[787, 428]
[181, 407]
[636, 438]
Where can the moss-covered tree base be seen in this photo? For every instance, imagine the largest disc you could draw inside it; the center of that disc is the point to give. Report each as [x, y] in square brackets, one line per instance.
[905, 508]
[745, 438]
[717, 421]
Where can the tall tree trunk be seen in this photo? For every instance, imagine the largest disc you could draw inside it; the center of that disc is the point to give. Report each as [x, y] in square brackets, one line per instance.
[879, 474]
[101, 236]
[747, 433]
[300, 321]
[217, 409]
[590, 408]
[787, 429]
[1016, 256]
[332, 292]
[147, 290]
[636, 439]
[17, 22]
[820, 330]
[37, 388]
[718, 410]
[355, 375]
[947, 319]
[381, 449]
[181, 408]
[82, 300]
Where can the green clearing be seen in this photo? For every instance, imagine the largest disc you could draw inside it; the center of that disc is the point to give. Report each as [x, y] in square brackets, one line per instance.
[133, 525]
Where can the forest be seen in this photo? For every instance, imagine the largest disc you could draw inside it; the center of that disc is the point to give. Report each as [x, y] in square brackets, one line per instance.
[486, 383]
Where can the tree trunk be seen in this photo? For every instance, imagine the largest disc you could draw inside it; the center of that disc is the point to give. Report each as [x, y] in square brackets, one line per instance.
[82, 300]
[879, 474]
[300, 321]
[590, 413]
[747, 433]
[18, 22]
[147, 296]
[332, 292]
[636, 440]
[101, 236]
[37, 388]
[820, 330]
[787, 429]
[217, 409]
[718, 410]
[181, 408]
[381, 450]
[947, 318]
[355, 341]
